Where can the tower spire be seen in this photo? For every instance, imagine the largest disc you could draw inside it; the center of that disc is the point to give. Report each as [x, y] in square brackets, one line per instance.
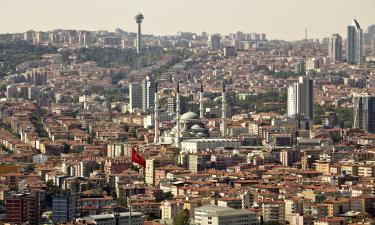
[177, 137]
[201, 109]
[156, 115]
[224, 112]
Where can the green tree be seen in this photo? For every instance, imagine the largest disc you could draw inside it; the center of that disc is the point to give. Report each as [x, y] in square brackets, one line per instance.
[164, 196]
[126, 127]
[14, 53]
[182, 218]
[66, 148]
[3, 87]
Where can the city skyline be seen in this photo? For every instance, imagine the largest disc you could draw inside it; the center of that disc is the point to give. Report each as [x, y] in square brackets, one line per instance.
[279, 20]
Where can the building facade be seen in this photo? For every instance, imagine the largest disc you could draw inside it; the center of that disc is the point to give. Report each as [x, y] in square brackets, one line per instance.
[22, 208]
[335, 48]
[148, 93]
[364, 112]
[301, 98]
[135, 97]
[355, 43]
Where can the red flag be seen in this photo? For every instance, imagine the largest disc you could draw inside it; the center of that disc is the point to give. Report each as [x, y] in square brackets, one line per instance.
[137, 158]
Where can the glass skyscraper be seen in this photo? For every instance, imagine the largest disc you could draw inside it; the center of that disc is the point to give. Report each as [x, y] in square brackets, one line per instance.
[364, 112]
[354, 47]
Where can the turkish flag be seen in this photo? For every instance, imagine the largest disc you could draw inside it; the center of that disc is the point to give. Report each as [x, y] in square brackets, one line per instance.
[137, 158]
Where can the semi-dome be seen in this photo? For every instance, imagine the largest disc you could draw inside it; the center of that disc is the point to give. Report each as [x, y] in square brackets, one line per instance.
[200, 134]
[196, 127]
[189, 116]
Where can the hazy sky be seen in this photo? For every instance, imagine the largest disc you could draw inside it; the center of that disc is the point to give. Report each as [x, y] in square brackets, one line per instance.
[282, 19]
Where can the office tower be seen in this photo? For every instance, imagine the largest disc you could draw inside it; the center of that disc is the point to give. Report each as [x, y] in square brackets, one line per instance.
[373, 47]
[138, 18]
[364, 112]
[301, 98]
[22, 208]
[62, 209]
[135, 97]
[355, 44]
[148, 93]
[371, 32]
[335, 48]
[300, 67]
[215, 42]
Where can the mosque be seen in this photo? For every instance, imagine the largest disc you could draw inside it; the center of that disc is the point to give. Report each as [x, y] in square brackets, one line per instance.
[189, 125]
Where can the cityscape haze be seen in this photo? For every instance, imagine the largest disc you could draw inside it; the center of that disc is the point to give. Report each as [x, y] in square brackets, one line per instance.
[286, 19]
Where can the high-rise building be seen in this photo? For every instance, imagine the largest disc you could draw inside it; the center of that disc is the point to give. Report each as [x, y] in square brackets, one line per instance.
[373, 47]
[214, 42]
[85, 37]
[314, 64]
[148, 93]
[371, 32]
[239, 36]
[62, 208]
[335, 48]
[39, 37]
[301, 98]
[355, 44]
[135, 96]
[22, 208]
[300, 67]
[29, 35]
[364, 112]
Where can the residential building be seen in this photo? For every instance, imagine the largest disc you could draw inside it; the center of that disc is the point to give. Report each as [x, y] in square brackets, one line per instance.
[62, 210]
[215, 42]
[22, 208]
[301, 98]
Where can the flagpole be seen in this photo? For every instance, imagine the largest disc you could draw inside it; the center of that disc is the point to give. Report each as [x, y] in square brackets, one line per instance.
[136, 158]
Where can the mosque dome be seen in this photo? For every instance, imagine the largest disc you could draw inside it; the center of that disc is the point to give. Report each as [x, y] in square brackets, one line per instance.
[189, 116]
